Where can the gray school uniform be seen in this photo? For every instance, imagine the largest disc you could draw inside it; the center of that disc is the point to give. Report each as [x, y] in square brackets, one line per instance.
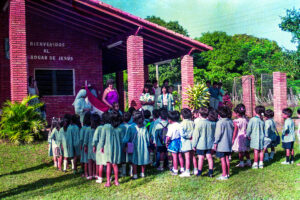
[223, 135]
[289, 129]
[256, 132]
[270, 129]
[186, 135]
[156, 130]
[203, 135]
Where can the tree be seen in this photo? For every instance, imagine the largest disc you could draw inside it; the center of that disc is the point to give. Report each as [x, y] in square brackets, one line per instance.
[291, 23]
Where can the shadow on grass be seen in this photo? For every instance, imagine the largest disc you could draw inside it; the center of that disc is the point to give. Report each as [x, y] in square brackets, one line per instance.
[41, 166]
[35, 185]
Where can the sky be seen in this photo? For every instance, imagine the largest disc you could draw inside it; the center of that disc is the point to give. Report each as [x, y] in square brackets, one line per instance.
[259, 18]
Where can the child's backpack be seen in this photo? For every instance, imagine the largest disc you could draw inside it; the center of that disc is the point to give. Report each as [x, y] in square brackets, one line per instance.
[162, 135]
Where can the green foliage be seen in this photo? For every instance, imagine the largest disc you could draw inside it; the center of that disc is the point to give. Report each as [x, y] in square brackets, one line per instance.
[20, 122]
[291, 23]
[198, 96]
[177, 100]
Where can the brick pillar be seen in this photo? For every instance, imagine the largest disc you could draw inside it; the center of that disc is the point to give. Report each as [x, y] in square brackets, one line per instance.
[146, 73]
[279, 95]
[135, 69]
[187, 77]
[120, 88]
[249, 94]
[17, 41]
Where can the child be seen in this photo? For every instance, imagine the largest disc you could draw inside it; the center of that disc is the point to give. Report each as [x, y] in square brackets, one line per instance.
[125, 156]
[96, 151]
[139, 136]
[55, 139]
[110, 146]
[154, 160]
[66, 140]
[239, 139]
[223, 140]
[158, 132]
[88, 147]
[270, 132]
[186, 136]
[75, 132]
[83, 132]
[256, 134]
[116, 107]
[203, 140]
[173, 138]
[288, 136]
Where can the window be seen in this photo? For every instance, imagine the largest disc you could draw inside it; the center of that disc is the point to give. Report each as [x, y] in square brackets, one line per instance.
[55, 82]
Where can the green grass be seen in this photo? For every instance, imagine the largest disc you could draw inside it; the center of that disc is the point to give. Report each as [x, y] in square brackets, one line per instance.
[26, 172]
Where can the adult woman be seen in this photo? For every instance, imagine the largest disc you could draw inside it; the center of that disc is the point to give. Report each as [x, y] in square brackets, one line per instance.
[80, 105]
[147, 98]
[165, 100]
[110, 95]
[33, 90]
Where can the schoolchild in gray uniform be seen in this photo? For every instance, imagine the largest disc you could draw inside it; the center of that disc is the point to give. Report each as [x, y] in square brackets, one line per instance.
[270, 132]
[186, 137]
[83, 131]
[288, 136]
[75, 125]
[256, 134]
[223, 140]
[203, 140]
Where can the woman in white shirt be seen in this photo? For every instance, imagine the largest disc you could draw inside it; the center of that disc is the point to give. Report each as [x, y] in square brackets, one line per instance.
[147, 98]
[165, 100]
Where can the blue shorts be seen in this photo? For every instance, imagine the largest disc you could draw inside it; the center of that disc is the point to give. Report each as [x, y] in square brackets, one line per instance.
[174, 146]
[203, 152]
[288, 145]
[222, 154]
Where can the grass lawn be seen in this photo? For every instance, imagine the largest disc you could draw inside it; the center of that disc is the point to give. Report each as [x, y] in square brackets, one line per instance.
[26, 172]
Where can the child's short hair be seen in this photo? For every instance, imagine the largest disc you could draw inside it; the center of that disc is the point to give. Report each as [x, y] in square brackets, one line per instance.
[215, 83]
[269, 113]
[138, 118]
[106, 118]
[203, 111]
[115, 103]
[260, 110]
[68, 117]
[156, 113]
[186, 113]
[298, 111]
[288, 112]
[87, 119]
[126, 117]
[95, 120]
[208, 81]
[131, 110]
[174, 116]
[115, 118]
[240, 109]
[212, 115]
[224, 112]
[147, 114]
[55, 123]
[76, 120]
[164, 114]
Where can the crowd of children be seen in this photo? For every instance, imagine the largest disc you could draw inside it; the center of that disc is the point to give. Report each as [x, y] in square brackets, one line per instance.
[114, 142]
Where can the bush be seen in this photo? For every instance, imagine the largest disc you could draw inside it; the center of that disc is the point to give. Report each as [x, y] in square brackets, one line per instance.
[21, 122]
[198, 96]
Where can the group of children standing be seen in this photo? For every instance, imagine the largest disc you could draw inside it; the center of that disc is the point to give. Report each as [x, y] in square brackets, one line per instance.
[171, 139]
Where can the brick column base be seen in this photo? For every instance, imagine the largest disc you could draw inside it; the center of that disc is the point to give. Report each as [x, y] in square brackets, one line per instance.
[249, 94]
[279, 95]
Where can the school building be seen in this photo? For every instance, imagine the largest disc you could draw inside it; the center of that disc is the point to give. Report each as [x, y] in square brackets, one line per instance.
[62, 43]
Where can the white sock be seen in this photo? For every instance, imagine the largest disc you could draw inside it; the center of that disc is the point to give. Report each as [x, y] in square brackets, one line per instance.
[182, 170]
[73, 164]
[55, 164]
[135, 176]
[151, 157]
[187, 171]
[261, 163]
[124, 169]
[255, 163]
[175, 170]
[161, 164]
[65, 164]
[131, 170]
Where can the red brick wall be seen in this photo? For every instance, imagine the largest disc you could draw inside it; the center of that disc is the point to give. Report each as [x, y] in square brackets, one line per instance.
[87, 59]
[187, 77]
[17, 41]
[85, 51]
[249, 94]
[280, 95]
[135, 69]
[4, 63]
